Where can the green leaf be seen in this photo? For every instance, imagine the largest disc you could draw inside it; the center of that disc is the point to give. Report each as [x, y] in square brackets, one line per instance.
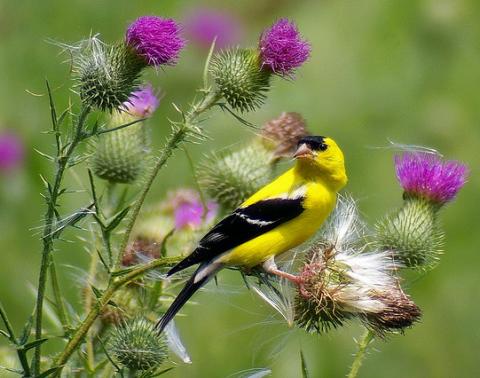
[108, 130]
[27, 329]
[117, 219]
[3, 333]
[161, 372]
[48, 157]
[163, 249]
[98, 293]
[11, 370]
[305, 373]
[48, 372]
[53, 111]
[33, 344]
[122, 272]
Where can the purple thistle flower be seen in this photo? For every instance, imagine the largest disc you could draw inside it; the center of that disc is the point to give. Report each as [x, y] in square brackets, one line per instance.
[11, 151]
[156, 39]
[203, 25]
[142, 102]
[191, 214]
[426, 175]
[282, 50]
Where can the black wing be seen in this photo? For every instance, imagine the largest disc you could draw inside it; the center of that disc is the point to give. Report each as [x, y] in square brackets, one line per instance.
[241, 226]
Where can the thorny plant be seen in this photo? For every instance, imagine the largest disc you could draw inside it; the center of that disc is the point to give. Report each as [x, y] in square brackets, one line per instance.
[344, 276]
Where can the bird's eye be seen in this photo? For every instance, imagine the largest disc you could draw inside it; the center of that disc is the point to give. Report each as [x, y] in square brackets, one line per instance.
[315, 143]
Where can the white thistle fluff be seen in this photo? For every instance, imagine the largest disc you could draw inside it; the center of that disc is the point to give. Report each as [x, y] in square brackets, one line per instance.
[343, 279]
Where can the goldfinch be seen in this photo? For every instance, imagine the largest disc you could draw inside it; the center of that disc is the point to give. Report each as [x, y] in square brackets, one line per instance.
[280, 216]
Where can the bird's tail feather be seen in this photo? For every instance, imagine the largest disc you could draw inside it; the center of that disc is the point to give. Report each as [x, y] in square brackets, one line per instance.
[198, 279]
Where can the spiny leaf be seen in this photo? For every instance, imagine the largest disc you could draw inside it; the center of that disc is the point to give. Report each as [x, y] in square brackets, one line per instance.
[117, 219]
[27, 329]
[11, 370]
[98, 293]
[34, 344]
[46, 156]
[48, 372]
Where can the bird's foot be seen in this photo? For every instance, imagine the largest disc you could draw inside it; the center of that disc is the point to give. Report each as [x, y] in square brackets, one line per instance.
[270, 267]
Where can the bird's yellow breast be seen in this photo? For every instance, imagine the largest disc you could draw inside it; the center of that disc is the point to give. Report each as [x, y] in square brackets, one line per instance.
[319, 202]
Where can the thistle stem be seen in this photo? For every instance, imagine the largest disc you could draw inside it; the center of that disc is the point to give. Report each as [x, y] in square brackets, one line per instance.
[174, 140]
[48, 231]
[363, 345]
[95, 311]
[59, 303]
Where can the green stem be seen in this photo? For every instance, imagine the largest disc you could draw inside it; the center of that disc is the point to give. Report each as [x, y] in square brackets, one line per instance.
[8, 325]
[363, 345]
[174, 140]
[48, 237]
[59, 303]
[97, 308]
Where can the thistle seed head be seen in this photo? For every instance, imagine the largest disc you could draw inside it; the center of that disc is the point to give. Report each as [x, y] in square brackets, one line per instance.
[342, 281]
[283, 133]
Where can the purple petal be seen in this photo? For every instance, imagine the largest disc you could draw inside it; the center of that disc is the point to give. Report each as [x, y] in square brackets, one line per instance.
[191, 213]
[203, 25]
[11, 151]
[143, 102]
[426, 175]
[156, 39]
[282, 50]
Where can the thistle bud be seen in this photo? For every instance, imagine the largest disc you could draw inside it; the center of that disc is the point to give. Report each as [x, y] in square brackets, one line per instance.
[340, 281]
[107, 75]
[240, 79]
[283, 133]
[413, 232]
[136, 345]
[230, 177]
[119, 156]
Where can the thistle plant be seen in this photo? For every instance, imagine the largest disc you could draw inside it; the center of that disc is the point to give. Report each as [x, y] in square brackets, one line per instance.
[120, 295]
[349, 273]
[413, 231]
[120, 156]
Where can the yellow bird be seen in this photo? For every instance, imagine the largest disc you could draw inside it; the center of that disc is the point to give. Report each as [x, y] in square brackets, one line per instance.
[280, 216]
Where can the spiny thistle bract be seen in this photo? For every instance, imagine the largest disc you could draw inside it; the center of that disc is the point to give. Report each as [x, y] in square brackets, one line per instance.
[240, 79]
[120, 156]
[107, 75]
[413, 232]
[137, 345]
[340, 281]
[230, 177]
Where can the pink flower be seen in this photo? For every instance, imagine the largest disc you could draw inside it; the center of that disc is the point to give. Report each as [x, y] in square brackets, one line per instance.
[142, 103]
[192, 213]
[156, 39]
[426, 175]
[203, 25]
[282, 50]
[11, 151]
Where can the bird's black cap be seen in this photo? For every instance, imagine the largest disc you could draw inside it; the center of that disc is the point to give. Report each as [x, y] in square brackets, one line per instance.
[316, 143]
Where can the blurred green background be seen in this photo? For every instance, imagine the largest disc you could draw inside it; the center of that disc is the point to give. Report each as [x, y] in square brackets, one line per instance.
[405, 71]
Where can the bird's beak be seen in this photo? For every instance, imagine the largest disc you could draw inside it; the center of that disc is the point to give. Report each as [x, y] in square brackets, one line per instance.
[303, 151]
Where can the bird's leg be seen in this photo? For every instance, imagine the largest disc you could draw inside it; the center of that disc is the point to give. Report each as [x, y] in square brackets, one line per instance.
[271, 267]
